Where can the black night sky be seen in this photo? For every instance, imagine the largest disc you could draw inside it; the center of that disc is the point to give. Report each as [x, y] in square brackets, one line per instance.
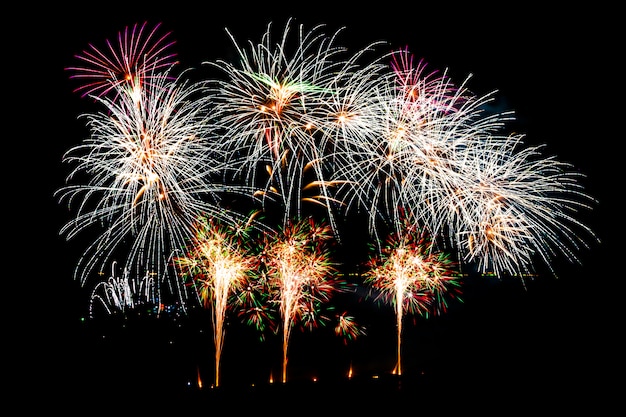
[556, 342]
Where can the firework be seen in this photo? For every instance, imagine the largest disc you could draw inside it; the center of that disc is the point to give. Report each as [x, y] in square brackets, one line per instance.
[411, 275]
[152, 169]
[218, 265]
[420, 123]
[277, 110]
[436, 156]
[302, 114]
[138, 54]
[299, 276]
[303, 124]
[513, 205]
[347, 328]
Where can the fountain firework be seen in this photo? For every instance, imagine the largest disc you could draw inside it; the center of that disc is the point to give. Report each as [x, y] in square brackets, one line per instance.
[411, 275]
[300, 277]
[218, 264]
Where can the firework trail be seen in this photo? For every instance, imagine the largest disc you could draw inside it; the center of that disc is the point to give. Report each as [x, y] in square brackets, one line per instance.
[217, 264]
[412, 276]
[152, 169]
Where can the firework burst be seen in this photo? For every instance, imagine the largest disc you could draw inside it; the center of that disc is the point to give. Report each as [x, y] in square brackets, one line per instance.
[152, 169]
[513, 205]
[122, 293]
[421, 122]
[436, 156]
[139, 54]
[347, 328]
[278, 109]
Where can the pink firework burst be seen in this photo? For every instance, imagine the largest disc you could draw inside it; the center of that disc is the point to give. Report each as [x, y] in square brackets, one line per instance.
[138, 53]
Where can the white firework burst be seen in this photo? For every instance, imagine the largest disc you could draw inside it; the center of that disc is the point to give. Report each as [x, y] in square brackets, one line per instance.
[278, 109]
[151, 169]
